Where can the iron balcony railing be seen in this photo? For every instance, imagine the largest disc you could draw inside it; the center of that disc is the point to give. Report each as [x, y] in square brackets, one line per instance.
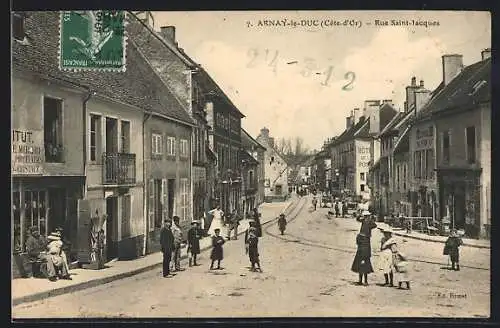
[118, 168]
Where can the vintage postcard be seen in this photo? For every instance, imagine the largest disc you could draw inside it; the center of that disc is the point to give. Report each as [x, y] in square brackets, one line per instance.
[251, 164]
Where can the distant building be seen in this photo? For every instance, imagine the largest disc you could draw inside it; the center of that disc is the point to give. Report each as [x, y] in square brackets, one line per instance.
[275, 169]
[253, 169]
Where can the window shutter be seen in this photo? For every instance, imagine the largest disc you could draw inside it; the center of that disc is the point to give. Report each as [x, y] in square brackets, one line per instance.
[164, 199]
[83, 245]
[151, 207]
[153, 144]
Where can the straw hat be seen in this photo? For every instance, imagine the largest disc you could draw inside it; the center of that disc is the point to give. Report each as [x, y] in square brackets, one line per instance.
[54, 236]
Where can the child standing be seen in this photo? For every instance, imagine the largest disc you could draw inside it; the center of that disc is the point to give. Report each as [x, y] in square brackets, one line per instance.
[282, 223]
[451, 248]
[217, 252]
[401, 265]
[252, 242]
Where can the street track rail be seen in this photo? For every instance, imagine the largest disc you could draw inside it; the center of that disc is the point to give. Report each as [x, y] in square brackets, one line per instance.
[293, 213]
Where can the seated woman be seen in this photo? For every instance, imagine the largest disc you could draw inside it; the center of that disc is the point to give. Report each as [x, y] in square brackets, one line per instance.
[56, 259]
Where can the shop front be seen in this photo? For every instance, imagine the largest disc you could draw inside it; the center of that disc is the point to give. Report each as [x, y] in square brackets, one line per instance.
[459, 191]
[45, 203]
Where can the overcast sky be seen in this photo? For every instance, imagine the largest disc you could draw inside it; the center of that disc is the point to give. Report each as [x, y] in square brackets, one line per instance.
[290, 102]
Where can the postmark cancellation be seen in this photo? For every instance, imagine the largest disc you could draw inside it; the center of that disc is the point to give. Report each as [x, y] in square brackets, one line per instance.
[92, 40]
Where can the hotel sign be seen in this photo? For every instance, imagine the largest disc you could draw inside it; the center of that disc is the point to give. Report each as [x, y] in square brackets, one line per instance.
[28, 152]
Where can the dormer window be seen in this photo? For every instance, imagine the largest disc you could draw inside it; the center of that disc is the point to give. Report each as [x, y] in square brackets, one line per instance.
[18, 27]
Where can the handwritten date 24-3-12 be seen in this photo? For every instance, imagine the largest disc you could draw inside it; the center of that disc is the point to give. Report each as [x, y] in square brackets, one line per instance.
[309, 67]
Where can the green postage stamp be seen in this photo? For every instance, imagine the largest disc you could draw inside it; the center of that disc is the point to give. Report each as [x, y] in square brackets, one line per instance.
[92, 40]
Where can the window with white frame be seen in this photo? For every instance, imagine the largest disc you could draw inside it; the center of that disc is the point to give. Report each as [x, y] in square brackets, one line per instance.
[470, 136]
[184, 148]
[95, 137]
[125, 137]
[184, 198]
[156, 144]
[171, 146]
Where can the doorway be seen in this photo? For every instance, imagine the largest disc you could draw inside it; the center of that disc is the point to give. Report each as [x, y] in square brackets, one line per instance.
[57, 210]
[111, 228]
[459, 207]
[171, 197]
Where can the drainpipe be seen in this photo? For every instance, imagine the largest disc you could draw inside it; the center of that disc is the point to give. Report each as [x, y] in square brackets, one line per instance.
[84, 139]
[146, 185]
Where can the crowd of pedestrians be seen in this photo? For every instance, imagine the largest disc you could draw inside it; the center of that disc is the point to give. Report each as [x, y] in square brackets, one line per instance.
[392, 262]
[171, 238]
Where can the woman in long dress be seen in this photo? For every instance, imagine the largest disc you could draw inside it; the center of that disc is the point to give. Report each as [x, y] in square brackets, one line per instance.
[362, 263]
[217, 221]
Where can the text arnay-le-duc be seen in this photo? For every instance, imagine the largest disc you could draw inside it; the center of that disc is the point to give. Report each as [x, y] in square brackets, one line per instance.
[405, 22]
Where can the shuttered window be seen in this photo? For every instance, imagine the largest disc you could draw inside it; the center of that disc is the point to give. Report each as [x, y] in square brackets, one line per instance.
[184, 198]
[164, 199]
[151, 205]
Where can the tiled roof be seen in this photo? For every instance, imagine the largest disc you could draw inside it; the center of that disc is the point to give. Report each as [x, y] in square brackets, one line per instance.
[391, 125]
[403, 142]
[458, 93]
[247, 157]
[209, 84]
[247, 140]
[40, 56]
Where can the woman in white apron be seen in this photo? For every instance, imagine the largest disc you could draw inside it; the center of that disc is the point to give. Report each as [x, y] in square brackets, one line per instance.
[217, 221]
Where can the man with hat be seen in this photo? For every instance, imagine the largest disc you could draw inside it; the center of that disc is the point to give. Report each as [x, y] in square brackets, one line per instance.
[36, 246]
[167, 247]
[178, 238]
[193, 239]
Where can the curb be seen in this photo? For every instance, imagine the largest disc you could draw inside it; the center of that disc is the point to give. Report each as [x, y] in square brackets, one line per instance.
[105, 280]
[437, 241]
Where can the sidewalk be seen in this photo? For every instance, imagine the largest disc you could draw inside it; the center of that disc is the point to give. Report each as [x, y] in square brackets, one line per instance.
[32, 289]
[477, 243]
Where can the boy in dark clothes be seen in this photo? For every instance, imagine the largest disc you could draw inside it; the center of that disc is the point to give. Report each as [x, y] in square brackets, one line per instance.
[282, 223]
[193, 237]
[451, 248]
[217, 252]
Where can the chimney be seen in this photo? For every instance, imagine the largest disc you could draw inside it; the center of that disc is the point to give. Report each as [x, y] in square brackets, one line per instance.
[356, 116]
[387, 101]
[347, 122]
[410, 93]
[168, 33]
[264, 132]
[369, 104]
[421, 83]
[452, 66]
[421, 98]
[486, 53]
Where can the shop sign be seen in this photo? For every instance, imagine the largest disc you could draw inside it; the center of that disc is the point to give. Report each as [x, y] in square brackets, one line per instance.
[28, 153]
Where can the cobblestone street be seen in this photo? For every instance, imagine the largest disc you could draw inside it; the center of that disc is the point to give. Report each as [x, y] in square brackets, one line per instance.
[306, 273]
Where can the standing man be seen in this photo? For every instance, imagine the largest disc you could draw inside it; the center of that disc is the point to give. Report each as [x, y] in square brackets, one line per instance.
[167, 247]
[234, 222]
[177, 232]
